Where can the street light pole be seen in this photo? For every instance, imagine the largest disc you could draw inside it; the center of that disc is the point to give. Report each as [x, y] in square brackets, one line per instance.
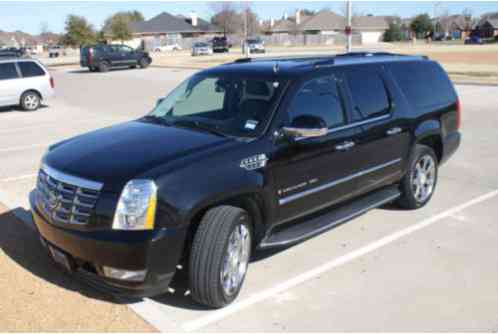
[348, 29]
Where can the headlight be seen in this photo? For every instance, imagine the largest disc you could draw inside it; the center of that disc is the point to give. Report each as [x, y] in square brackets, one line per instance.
[137, 206]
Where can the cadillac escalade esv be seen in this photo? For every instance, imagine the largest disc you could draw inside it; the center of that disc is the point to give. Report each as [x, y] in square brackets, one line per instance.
[252, 154]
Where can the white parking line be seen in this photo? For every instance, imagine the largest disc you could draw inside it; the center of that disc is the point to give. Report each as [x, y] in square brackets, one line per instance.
[20, 148]
[18, 178]
[216, 316]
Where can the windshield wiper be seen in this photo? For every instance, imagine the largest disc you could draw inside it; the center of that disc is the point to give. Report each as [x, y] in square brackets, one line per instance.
[156, 119]
[188, 123]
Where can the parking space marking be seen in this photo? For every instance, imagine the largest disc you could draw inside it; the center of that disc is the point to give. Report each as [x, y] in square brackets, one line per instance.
[153, 315]
[18, 178]
[216, 316]
[21, 148]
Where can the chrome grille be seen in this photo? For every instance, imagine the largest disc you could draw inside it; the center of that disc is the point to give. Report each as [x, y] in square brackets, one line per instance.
[62, 198]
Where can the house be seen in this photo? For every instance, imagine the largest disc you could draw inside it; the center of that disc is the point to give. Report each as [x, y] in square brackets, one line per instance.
[369, 29]
[455, 26]
[489, 28]
[166, 28]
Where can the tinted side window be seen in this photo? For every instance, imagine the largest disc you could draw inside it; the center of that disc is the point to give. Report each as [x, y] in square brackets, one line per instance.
[8, 71]
[319, 97]
[423, 83]
[30, 69]
[368, 92]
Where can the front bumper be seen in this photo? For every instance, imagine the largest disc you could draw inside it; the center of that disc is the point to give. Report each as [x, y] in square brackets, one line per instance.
[157, 251]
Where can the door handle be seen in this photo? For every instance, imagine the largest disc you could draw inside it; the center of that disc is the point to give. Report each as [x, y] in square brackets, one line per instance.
[393, 131]
[344, 146]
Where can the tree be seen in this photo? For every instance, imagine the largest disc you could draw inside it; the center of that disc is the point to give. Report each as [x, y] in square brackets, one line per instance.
[468, 18]
[393, 33]
[78, 32]
[118, 25]
[226, 17]
[421, 25]
[308, 12]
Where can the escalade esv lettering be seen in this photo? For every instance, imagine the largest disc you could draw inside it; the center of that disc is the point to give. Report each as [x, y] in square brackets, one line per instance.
[252, 154]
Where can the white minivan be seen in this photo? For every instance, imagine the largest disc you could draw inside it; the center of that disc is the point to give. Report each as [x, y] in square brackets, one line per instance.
[24, 82]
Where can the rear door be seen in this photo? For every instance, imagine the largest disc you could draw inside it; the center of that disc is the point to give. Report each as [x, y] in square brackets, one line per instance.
[384, 141]
[10, 84]
[114, 54]
[34, 77]
[315, 172]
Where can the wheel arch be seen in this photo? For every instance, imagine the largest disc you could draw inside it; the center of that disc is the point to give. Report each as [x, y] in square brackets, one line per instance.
[252, 202]
[429, 133]
[34, 90]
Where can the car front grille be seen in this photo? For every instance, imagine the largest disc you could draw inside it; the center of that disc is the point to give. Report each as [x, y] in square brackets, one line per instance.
[64, 198]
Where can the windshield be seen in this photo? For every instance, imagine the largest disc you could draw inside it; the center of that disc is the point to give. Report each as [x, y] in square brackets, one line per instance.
[228, 106]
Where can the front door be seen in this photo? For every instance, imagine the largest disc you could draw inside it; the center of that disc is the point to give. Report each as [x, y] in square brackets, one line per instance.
[315, 172]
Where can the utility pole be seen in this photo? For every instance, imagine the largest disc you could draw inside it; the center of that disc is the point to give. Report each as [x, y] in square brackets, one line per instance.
[246, 49]
[348, 30]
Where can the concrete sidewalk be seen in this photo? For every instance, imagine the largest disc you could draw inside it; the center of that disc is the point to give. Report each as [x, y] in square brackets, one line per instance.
[30, 304]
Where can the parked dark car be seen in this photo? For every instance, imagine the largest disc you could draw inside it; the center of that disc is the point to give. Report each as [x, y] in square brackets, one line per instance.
[220, 44]
[103, 57]
[249, 155]
[12, 53]
[474, 39]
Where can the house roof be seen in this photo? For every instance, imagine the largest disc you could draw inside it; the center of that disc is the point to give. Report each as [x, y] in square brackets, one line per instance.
[327, 20]
[493, 22]
[324, 20]
[167, 23]
[371, 22]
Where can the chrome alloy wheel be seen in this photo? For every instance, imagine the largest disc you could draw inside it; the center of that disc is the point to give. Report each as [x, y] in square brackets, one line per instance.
[31, 101]
[236, 259]
[423, 178]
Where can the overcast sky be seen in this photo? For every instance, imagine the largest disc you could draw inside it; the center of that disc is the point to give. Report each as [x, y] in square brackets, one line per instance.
[29, 16]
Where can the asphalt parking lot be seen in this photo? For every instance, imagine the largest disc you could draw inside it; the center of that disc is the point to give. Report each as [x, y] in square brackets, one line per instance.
[433, 269]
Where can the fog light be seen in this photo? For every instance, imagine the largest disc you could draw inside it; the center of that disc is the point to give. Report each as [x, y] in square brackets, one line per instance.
[126, 275]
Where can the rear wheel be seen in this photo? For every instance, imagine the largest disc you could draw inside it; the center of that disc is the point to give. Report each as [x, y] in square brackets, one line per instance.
[30, 101]
[419, 183]
[220, 256]
[104, 66]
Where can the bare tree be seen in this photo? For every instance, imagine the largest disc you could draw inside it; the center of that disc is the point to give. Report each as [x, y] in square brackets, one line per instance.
[468, 18]
[225, 16]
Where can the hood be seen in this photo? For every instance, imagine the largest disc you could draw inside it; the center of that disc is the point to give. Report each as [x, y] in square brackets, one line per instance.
[119, 153]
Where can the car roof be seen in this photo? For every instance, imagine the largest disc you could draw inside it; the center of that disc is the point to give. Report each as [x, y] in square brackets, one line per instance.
[290, 67]
[16, 59]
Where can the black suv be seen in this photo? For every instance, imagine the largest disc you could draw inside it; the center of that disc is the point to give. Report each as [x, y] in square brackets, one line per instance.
[220, 44]
[102, 57]
[252, 154]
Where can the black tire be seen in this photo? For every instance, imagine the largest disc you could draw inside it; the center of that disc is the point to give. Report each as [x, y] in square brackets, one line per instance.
[133, 66]
[30, 101]
[408, 199]
[208, 254]
[144, 62]
[104, 66]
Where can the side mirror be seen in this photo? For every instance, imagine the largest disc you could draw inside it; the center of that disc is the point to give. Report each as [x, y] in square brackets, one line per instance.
[306, 126]
[159, 101]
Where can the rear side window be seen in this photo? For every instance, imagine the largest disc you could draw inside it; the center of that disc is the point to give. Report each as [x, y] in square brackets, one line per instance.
[423, 83]
[319, 97]
[369, 93]
[30, 69]
[8, 71]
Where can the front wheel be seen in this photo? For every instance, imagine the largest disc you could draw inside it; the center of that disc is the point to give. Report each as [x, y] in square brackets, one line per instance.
[220, 256]
[419, 183]
[144, 63]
